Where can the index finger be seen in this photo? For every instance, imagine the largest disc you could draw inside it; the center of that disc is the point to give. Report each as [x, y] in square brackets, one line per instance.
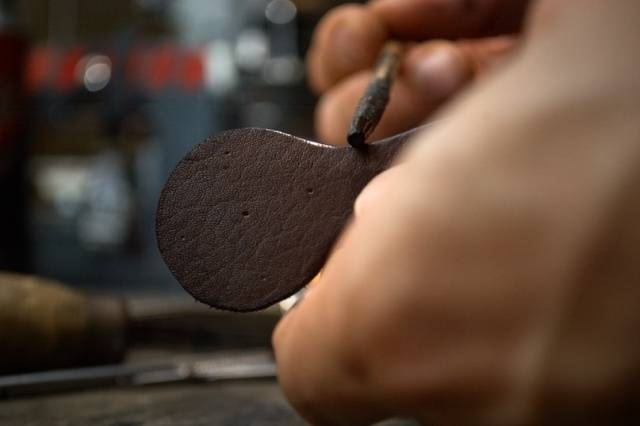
[349, 38]
[425, 19]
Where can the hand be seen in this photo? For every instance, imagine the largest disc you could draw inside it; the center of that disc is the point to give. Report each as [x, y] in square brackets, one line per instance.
[491, 276]
[348, 40]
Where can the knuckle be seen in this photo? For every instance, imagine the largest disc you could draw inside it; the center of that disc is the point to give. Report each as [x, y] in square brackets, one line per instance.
[333, 19]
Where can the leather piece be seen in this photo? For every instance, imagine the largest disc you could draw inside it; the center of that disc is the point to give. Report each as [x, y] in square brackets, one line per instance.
[248, 217]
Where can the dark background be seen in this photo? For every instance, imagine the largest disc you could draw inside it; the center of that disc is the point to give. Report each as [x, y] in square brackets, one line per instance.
[100, 99]
[98, 102]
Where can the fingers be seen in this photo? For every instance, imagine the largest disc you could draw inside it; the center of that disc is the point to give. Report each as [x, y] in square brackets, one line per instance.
[483, 54]
[406, 109]
[431, 73]
[424, 19]
[313, 371]
[347, 40]
[372, 194]
[319, 345]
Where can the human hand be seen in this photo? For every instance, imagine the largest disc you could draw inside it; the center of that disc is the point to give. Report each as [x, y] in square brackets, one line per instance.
[347, 41]
[490, 277]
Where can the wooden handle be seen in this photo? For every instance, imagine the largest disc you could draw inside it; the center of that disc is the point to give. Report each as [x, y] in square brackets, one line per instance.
[45, 325]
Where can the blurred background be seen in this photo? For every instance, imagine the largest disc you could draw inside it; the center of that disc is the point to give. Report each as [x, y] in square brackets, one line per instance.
[98, 101]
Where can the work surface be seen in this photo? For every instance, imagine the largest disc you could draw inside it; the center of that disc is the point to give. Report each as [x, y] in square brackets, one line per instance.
[227, 403]
[258, 402]
[232, 403]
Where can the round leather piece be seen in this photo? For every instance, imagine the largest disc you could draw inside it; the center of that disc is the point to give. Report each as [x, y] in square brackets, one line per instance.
[248, 217]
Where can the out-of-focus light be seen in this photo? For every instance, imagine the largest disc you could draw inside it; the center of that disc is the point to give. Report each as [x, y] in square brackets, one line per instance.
[282, 70]
[97, 77]
[61, 182]
[220, 71]
[280, 11]
[94, 71]
[252, 49]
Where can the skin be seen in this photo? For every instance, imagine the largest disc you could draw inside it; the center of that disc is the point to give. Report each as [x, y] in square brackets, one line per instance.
[490, 277]
[348, 39]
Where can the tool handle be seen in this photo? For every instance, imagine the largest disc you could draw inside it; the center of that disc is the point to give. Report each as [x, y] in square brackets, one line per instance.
[45, 325]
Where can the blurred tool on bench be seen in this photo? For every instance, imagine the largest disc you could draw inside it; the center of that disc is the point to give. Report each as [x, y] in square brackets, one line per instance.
[46, 325]
[228, 365]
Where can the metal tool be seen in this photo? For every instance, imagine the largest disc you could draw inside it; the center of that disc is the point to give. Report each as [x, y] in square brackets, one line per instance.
[256, 364]
[47, 325]
[373, 103]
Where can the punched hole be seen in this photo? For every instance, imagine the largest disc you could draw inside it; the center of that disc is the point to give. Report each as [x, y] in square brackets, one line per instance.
[309, 190]
[245, 213]
[227, 152]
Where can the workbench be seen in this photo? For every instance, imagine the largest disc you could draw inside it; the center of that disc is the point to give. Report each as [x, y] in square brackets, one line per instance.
[200, 334]
[257, 402]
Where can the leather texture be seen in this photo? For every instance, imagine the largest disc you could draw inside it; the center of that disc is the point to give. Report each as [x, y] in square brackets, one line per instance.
[248, 217]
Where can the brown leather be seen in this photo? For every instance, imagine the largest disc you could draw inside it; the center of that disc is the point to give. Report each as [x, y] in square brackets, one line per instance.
[248, 217]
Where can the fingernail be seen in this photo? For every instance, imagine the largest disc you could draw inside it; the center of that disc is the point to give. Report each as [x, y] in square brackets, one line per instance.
[439, 72]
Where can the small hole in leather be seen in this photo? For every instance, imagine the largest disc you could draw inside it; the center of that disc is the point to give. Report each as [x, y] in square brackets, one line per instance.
[245, 213]
[309, 190]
